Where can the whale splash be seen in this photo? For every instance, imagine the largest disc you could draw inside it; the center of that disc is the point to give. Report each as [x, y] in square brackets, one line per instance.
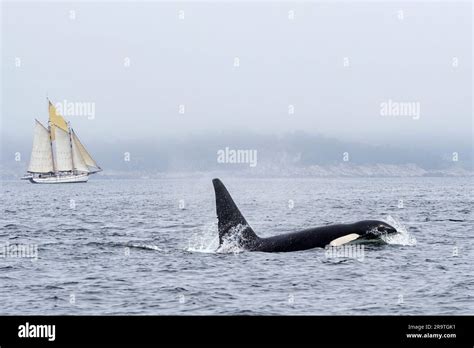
[207, 242]
[402, 237]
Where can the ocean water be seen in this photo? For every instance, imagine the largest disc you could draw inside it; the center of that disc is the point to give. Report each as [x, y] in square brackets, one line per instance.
[149, 247]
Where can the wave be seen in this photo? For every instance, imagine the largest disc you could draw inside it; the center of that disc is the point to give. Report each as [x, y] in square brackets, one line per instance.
[144, 246]
[126, 245]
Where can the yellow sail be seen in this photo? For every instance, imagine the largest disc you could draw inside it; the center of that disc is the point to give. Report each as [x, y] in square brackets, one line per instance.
[56, 120]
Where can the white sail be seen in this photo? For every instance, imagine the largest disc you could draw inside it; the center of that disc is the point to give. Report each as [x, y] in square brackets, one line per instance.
[85, 155]
[41, 156]
[63, 153]
[77, 159]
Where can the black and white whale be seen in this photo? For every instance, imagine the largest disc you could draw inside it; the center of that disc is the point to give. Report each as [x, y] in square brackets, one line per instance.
[231, 224]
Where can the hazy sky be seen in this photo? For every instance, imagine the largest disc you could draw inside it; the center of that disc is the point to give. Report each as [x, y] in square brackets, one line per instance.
[80, 56]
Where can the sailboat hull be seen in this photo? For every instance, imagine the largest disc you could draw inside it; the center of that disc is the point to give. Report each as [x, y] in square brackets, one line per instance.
[61, 179]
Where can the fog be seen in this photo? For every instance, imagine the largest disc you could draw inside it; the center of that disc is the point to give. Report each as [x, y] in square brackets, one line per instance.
[159, 70]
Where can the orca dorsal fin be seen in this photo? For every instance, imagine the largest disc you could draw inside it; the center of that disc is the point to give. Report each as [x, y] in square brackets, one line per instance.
[230, 219]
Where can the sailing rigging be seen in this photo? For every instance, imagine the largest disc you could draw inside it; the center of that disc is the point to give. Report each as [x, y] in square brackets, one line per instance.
[58, 156]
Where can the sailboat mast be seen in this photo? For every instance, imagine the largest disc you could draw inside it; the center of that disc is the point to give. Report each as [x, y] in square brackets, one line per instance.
[50, 137]
[51, 143]
[70, 144]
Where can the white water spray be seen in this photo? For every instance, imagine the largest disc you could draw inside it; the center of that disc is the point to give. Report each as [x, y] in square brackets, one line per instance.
[402, 237]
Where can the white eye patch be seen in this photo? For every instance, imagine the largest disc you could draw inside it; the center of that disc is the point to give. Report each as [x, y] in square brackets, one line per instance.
[344, 239]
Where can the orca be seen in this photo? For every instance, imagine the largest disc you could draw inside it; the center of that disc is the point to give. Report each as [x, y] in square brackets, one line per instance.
[232, 224]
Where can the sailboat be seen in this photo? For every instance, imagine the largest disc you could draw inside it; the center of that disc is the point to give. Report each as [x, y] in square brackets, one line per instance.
[58, 156]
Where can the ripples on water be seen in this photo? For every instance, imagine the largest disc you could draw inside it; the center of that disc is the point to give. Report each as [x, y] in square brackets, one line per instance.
[130, 247]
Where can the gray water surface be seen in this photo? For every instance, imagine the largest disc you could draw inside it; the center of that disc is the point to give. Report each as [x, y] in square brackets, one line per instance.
[148, 247]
